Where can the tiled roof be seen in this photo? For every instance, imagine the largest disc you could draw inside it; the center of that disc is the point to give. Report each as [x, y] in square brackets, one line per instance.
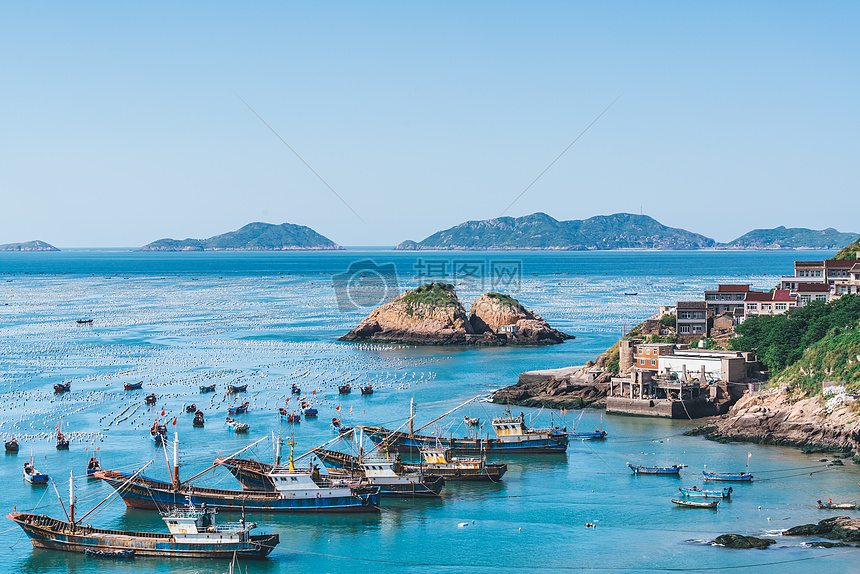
[840, 263]
[813, 287]
[777, 295]
[809, 263]
[692, 305]
[733, 288]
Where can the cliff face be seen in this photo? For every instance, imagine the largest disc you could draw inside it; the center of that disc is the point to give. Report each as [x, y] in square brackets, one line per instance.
[432, 314]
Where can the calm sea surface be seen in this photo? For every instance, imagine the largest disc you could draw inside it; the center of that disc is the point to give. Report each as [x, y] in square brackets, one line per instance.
[177, 320]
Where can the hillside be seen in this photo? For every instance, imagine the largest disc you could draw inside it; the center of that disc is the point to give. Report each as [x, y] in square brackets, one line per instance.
[540, 231]
[252, 237]
[792, 238]
[849, 251]
[28, 246]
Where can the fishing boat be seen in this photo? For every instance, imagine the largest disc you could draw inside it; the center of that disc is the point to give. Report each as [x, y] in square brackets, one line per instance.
[310, 412]
[439, 461]
[674, 470]
[238, 410]
[33, 476]
[236, 426]
[697, 492]
[830, 505]
[133, 386]
[62, 441]
[63, 387]
[192, 408]
[207, 388]
[199, 421]
[295, 490]
[728, 476]
[366, 389]
[283, 412]
[158, 432]
[695, 504]
[294, 418]
[295, 389]
[344, 389]
[512, 437]
[593, 435]
[93, 466]
[472, 422]
[12, 445]
[150, 399]
[192, 533]
[85, 321]
[237, 388]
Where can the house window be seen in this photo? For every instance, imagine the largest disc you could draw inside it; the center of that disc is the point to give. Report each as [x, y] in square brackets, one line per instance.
[647, 351]
[752, 306]
[821, 297]
[780, 306]
[765, 306]
[684, 328]
[653, 362]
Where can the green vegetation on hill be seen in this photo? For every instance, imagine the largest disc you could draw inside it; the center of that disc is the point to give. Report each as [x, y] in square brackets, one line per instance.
[540, 231]
[507, 300]
[780, 340]
[28, 246]
[836, 357]
[252, 237]
[849, 251]
[434, 294]
[792, 238]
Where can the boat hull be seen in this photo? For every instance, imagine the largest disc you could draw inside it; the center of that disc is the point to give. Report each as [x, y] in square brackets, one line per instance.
[724, 493]
[153, 495]
[691, 504]
[660, 470]
[45, 532]
[404, 443]
[728, 477]
[490, 472]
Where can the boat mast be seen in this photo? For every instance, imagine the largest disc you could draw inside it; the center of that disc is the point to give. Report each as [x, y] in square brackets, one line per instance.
[411, 416]
[71, 497]
[448, 413]
[176, 460]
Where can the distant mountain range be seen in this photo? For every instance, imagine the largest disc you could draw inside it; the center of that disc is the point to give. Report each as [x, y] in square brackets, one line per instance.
[252, 237]
[539, 231]
[28, 246]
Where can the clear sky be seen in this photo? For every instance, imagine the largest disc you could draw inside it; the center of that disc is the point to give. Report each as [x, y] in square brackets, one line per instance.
[120, 122]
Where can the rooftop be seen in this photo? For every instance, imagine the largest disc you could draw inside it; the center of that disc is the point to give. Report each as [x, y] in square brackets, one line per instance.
[731, 289]
[691, 305]
[813, 287]
[777, 295]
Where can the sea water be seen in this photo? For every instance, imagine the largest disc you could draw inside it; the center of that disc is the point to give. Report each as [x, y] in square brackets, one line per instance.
[179, 320]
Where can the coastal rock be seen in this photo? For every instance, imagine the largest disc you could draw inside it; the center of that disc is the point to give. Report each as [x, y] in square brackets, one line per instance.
[568, 387]
[841, 528]
[28, 246]
[492, 312]
[741, 542]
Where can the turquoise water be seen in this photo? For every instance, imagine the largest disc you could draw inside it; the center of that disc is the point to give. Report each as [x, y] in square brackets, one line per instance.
[178, 320]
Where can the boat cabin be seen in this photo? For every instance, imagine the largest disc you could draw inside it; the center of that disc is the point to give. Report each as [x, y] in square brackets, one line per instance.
[509, 425]
[198, 525]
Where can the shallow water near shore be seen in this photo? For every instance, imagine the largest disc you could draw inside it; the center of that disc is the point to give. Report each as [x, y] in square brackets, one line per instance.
[176, 321]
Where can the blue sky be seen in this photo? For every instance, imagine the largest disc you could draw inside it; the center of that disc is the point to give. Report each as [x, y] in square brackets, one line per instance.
[121, 124]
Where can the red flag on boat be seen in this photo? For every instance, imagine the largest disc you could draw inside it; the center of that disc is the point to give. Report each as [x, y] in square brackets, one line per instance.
[162, 413]
[315, 391]
[174, 421]
[56, 427]
[337, 408]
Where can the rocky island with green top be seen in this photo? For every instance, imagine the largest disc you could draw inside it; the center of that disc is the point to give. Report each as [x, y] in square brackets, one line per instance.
[433, 315]
[28, 246]
[252, 237]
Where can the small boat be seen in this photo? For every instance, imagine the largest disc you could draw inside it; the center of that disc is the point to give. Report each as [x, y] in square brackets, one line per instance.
[192, 408]
[109, 553]
[133, 386]
[697, 492]
[295, 389]
[472, 422]
[207, 388]
[236, 426]
[674, 470]
[238, 410]
[237, 388]
[33, 476]
[366, 389]
[695, 504]
[63, 387]
[630, 293]
[283, 412]
[12, 445]
[198, 419]
[440, 462]
[728, 476]
[830, 505]
[86, 321]
[311, 412]
[62, 441]
[335, 422]
[593, 435]
[344, 389]
[93, 466]
[294, 418]
[158, 433]
[150, 399]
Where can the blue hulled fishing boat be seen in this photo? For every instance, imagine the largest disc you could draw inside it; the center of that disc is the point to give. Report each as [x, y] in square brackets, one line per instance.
[674, 470]
[697, 492]
[728, 476]
[207, 388]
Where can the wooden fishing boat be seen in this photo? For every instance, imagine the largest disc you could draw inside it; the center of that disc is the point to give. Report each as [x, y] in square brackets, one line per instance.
[237, 388]
[294, 418]
[366, 389]
[695, 504]
[192, 534]
[150, 399]
[830, 505]
[438, 461]
[283, 412]
[33, 476]
[62, 441]
[295, 389]
[63, 387]
[238, 410]
[697, 492]
[158, 432]
[12, 445]
[236, 426]
[192, 408]
[93, 466]
[133, 386]
[310, 412]
[199, 421]
[472, 422]
[593, 435]
[728, 476]
[85, 321]
[207, 388]
[674, 470]
[344, 389]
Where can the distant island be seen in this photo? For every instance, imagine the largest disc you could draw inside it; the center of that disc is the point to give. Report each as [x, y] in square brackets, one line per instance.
[252, 237]
[792, 238]
[539, 231]
[28, 246]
